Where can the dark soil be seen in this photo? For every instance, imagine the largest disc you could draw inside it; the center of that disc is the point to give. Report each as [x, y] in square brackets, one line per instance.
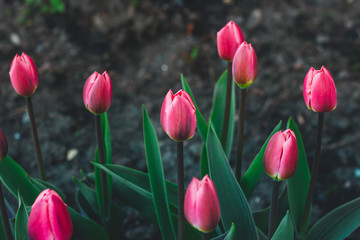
[145, 46]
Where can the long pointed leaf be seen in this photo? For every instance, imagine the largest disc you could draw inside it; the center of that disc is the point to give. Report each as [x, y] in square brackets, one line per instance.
[337, 224]
[201, 123]
[157, 179]
[299, 183]
[229, 235]
[217, 111]
[233, 204]
[21, 221]
[285, 229]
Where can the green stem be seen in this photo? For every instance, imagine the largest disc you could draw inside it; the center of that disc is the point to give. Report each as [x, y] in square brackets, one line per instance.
[314, 173]
[206, 236]
[4, 216]
[227, 106]
[35, 138]
[181, 191]
[240, 134]
[274, 209]
[104, 189]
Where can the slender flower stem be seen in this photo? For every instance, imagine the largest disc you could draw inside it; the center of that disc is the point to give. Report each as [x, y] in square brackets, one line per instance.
[240, 134]
[314, 173]
[227, 105]
[102, 161]
[35, 137]
[4, 216]
[274, 209]
[206, 236]
[181, 191]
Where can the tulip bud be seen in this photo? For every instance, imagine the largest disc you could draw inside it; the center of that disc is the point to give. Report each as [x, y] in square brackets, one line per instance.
[97, 93]
[245, 66]
[24, 75]
[3, 145]
[229, 39]
[319, 90]
[201, 204]
[178, 116]
[49, 218]
[281, 155]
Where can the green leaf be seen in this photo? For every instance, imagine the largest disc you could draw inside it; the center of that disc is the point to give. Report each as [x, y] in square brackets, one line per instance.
[201, 123]
[204, 162]
[229, 235]
[21, 221]
[86, 199]
[285, 230]
[338, 223]
[141, 179]
[217, 111]
[299, 183]
[157, 179]
[42, 185]
[252, 176]
[131, 194]
[85, 228]
[15, 179]
[89, 206]
[127, 191]
[233, 204]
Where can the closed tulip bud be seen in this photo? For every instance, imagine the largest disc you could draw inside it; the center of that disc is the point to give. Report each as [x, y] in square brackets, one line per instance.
[178, 116]
[49, 218]
[229, 39]
[319, 90]
[245, 65]
[24, 75]
[201, 204]
[281, 155]
[3, 145]
[97, 93]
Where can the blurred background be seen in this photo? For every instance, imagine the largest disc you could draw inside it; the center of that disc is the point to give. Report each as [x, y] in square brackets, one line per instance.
[145, 45]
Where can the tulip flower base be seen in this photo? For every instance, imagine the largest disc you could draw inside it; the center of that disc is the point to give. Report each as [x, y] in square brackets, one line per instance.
[144, 53]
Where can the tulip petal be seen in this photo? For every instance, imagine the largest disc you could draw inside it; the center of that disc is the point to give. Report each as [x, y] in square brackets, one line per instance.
[273, 153]
[289, 158]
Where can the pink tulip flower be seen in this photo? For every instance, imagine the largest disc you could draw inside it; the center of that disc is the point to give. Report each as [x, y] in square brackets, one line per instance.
[49, 218]
[229, 39]
[281, 155]
[3, 145]
[245, 65]
[319, 90]
[97, 93]
[178, 116]
[24, 75]
[201, 204]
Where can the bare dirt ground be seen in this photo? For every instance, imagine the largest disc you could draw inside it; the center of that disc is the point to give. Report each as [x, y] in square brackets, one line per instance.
[145, 46]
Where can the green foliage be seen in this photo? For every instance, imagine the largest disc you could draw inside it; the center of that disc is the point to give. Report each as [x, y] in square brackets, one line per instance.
[233, 204]
[157, 179]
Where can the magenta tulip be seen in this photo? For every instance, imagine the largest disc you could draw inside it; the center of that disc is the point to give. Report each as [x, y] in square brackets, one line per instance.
[201, 204]
[24, 75]
[229, 39]
[245, 65]
[49, 218]
[178, 116]
[281, 155]
[3, 145]
[97, 93]
[319, 90]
